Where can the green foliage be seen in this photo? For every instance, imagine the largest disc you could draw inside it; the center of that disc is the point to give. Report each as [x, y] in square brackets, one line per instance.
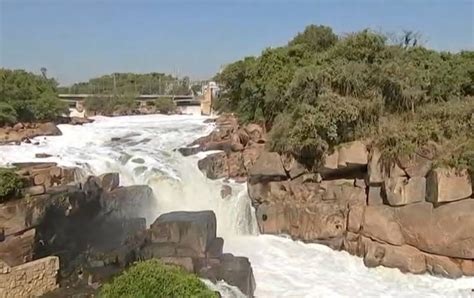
[8, 114]
[10, 185]
[153, 279]
[165, 105]
[32, 97]
[110, 105]
[131, 83]
[316, 38]
[321, 90]
[48, 107]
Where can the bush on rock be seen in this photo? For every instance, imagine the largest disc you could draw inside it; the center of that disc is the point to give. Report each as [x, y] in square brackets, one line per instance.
[10, 185]
[155, 279]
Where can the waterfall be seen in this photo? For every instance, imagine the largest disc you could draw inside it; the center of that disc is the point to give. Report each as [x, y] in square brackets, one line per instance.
[140, 148]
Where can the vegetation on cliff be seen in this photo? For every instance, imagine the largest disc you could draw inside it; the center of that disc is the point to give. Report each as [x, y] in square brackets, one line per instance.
[154, 279]
[27, 97]
[322, 89]
[10, 185]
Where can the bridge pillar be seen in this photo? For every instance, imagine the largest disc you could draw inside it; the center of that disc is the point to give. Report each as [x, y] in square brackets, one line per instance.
[206, 102]
[80, 106]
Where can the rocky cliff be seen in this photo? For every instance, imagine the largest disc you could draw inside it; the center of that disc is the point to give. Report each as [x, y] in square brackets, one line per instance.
[406, 214]
[71, 235]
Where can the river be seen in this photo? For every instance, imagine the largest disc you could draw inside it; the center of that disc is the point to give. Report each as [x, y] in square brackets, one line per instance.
[143, 154]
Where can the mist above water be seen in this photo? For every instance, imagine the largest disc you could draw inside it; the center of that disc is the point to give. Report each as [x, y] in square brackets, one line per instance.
[140, 148]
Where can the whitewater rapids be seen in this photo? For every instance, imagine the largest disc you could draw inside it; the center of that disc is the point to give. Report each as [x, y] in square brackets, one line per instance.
[140, 148]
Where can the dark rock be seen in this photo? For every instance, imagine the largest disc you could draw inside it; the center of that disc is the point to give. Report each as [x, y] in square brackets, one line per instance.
[195, 230]
[80, 121]
[129, 202]
[236, 271]
[18, 249]
[187, 151]
[214, 165]
[109, 181]
[226, 191]
[42, 155]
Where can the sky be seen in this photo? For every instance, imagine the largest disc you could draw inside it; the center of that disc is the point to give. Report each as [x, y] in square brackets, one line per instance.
[80, 39]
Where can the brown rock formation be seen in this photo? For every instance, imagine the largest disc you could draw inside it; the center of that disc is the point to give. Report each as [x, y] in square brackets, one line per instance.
[21, 132]
[188, 239]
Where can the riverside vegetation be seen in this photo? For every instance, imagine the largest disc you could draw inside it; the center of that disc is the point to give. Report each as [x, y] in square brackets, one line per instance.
[154, 279]
[369, 147]
[26, 97]
[321, 90]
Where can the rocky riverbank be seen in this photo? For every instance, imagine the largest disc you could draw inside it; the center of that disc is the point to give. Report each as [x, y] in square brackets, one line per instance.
[67, 235]
[24, 132]
[408, 214]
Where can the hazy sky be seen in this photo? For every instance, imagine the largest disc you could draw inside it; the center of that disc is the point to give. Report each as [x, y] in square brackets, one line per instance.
[76, 40]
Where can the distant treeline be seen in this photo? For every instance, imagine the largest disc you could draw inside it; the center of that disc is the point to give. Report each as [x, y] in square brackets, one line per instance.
[322, 89]
[27, 97]
[131, 83]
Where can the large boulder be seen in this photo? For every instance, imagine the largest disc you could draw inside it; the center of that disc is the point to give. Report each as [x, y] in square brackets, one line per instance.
[433, 230]
[415, 165]
[375, 195]
[443, 266]
[268, 167]
[401, 191]
[446, 230]
[352, 154]
[467, 267]
[251, 154]
[235, 165]
[136, 201]
[319, 221]
[193, 230]
[214, 165]
[380, 224]
[405, 257]
[255, 132]
[18, 249]
[235, 271]
[109, 181]
[447, 185]
[378, 170]
[292, 166]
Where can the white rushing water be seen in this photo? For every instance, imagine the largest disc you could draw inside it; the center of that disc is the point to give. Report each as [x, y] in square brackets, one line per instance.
[282, 267]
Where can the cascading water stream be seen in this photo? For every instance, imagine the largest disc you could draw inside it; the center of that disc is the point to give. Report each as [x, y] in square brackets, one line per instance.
[140, 148]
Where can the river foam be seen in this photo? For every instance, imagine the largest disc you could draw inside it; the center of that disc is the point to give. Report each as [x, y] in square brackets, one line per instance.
[140, 148]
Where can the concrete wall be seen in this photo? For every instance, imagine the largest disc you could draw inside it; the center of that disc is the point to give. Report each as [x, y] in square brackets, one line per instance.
[206, 102]
[30, 279]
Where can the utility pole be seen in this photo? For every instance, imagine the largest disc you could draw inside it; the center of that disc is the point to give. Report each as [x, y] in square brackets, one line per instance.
[115, 85]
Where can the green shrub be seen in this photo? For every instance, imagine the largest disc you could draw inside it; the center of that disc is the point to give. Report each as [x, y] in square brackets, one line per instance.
[165, 105]
[48, 108]
[8, 114]
[321, 90]
[153, 279]
[110, 105]
[10, 185]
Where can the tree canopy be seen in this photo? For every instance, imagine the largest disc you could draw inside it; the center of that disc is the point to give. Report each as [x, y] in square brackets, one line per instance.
[322, 89]
[127, 83]
[25, 96]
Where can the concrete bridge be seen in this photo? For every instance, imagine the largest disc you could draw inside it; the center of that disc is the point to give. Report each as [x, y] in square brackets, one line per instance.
[180, 100]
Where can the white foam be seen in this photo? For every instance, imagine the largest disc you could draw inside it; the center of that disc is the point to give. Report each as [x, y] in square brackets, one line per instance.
[282, 267]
